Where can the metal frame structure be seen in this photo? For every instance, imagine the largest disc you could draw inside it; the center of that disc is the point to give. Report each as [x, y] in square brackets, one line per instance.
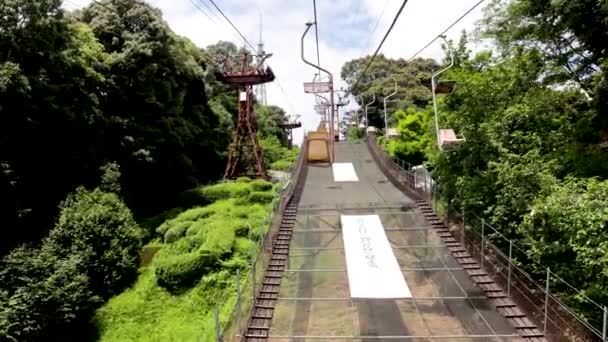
[433, 90]
[331, 91]
[245, 149]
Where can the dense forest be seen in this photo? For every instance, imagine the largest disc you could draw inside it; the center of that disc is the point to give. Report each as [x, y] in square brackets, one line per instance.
[110, 125]
[533, 110]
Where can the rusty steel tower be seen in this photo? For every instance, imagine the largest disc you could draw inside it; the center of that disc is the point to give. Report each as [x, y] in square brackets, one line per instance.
[245, 155]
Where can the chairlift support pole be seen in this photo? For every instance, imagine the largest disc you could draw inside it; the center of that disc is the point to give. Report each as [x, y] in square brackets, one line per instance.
[331, 90]
[366, 107]
[386, 99]
[433, 89]
[357, 112]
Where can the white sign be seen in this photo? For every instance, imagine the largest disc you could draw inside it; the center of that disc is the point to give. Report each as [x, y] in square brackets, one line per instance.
[316, 87]
[373, 270]
[344, 172]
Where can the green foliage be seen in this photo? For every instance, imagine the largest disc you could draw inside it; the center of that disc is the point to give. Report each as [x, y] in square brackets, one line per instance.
[281, 165]
[260, 185]
[225, 190]
[355, 133]
[261, 197]
[566, 229]
[98, 227]
[110, 83]
[147, 311]
[413, 84]
[274, 151]
[175, 296]
[268, 119]
[414, 135]
[51, 292]
[110, 178]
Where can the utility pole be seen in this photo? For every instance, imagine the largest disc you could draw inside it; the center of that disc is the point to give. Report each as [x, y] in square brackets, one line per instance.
[245, 151]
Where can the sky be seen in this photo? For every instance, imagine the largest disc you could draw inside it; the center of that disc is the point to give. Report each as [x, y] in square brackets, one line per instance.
[347, 29]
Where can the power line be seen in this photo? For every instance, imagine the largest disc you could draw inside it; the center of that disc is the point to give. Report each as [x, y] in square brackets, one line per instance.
[314, 6]
[369, 40]
[380, 46]
[231, 24]
[195, 3]
[447, 29]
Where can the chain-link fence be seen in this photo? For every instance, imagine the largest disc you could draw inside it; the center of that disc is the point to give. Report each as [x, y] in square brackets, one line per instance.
[537, 294]
[248, 280]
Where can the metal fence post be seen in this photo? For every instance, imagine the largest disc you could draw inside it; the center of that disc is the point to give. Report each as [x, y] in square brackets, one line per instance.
[262, 234]
[547, 300]
[483, 239]
[510, 267]
[464, 227]
[253, 280]
[604, 330]
[217, 324]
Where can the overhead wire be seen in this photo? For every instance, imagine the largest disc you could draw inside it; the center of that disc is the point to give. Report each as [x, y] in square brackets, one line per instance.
[196, 4]
[314, 6]
[232, 24]
[447, 29]
[371, 35]
[380, 45]
[253, 48]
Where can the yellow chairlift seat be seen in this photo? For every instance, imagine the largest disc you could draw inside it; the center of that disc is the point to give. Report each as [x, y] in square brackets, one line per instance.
[448, 139]
[317, 144]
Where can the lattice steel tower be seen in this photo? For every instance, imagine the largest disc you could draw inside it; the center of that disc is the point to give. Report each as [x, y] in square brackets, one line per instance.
[245, 155]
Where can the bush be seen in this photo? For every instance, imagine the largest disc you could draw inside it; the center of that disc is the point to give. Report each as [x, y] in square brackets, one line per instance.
[180, 272]
[177, 231]
[281, 165]
[225, 190]
[260, 185]
[261, 197]
[100, 229]
[243, 180]
[43, 296]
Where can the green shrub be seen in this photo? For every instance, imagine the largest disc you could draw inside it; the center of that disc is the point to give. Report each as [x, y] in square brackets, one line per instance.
[99, 228]
[281, 165]
[42, 295]
[260, 185]
[180, 272]
[177, 231]
[243, 180]
[226, 190]
[261, 197]
[242, 246]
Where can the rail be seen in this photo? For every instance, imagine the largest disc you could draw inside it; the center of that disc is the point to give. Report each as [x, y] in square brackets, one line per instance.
[540, 299]
[233, 316]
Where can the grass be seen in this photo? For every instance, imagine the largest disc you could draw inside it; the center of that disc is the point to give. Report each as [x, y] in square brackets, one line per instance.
[194, 269]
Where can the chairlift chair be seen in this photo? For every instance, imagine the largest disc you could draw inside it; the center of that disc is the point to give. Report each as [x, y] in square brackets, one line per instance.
[447, 139]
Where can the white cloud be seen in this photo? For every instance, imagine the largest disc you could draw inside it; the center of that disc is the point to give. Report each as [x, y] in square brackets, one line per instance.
[340, 22]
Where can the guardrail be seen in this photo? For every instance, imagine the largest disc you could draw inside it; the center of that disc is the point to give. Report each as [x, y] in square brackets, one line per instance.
[538, 294]
[247, 280]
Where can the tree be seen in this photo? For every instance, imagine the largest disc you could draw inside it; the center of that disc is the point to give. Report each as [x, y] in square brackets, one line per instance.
[413, 83]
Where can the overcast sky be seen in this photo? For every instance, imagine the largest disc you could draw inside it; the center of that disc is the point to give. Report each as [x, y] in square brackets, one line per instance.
[347, 29]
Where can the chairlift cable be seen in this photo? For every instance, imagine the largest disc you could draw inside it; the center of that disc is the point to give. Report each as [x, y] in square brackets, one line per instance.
[380, 45]
[447, 29]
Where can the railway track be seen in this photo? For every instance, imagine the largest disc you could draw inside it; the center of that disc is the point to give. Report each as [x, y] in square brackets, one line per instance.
[265, 301]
